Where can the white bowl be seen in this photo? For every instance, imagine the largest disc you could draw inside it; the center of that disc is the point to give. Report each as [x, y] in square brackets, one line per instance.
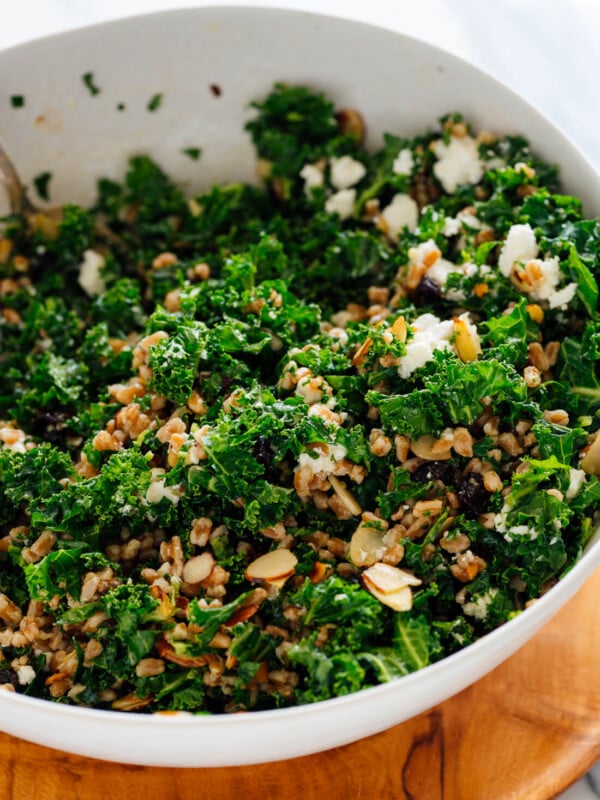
[401, 85]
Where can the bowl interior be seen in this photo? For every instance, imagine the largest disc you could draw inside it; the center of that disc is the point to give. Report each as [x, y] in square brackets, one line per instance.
[206, 66]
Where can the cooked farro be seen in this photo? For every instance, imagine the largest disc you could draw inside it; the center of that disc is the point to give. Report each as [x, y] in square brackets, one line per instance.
[268, 446]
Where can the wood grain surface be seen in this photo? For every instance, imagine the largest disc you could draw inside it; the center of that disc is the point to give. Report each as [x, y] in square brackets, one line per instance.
[524, 732]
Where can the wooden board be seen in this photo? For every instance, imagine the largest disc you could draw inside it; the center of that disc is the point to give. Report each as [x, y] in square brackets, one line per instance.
[527, 731]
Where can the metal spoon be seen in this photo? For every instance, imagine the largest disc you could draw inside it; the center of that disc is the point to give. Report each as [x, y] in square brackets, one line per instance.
[19, 203]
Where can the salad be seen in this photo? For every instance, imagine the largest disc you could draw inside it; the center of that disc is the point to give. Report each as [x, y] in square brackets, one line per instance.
[275, 444]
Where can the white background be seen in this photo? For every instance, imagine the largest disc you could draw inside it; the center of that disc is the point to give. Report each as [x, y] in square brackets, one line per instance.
[547, 50]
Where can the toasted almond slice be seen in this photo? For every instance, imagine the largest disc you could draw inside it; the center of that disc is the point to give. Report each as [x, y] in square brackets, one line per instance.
[241, 615]
[362, 351]
[198, 568]
[387, 579]
[318, 572]
[400, 600]
[590, 462]
[131, 702]
[423, 448]
[443, 444]
[399, 329]
[347, 498]
[272, 567]
[466, 340]
[366, 546]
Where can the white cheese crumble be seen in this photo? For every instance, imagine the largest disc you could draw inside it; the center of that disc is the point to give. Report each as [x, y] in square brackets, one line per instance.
[400, 213]
[157, 491]
[545, 286]
[501, 518]
[326, 462]
[576, 481]
[13, 439]
[479, 608]
[25, 674]
[520, 530]
[458, 162]
[430, 334]
[519, 246]
[345, 172]
[562, 297]
[89, 278]
[403, 163]
[341, 203]
[451, 227]
[422, 253]
[313, 177]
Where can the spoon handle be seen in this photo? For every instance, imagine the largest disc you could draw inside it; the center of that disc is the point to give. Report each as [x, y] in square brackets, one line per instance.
[17, 197]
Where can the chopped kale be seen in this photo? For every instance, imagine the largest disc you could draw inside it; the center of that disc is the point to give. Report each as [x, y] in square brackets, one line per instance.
[225, 418]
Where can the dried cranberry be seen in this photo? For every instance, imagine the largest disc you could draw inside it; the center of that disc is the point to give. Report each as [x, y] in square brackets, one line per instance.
[434, 471]
[9, 676]
[472, 494]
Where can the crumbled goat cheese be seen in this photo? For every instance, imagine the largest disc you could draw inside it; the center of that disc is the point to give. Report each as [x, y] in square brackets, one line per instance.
[442, 269]
[341, 203]
[403, 163]
[345, 172]
[468, 220]
[501, 517]
[157, 491]
[519, 246]
[576, 481]
[520, 530]
[430, 334]
[313, 177]
[12, 440]
[418, 254]
[451, 227]
[563, 297]
[545, 287]
[25, 674]
[401, 212]
[326, 462]
[458, 162]
[89, 278]
[479, 608]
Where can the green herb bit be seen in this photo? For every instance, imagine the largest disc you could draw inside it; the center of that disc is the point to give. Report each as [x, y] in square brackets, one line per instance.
[17, 100]
[42, 184]
[88, 80]
[155, 102]
[193, 152]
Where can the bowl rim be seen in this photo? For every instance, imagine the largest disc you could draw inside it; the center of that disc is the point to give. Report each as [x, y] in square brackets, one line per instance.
[543, 607]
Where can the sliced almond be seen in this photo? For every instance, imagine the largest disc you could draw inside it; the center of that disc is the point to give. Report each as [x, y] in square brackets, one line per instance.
[387, 579]
[131, 702]
[424, 448]
[443, 444]
[347, 498]
[166, 650]
[399, 329]
[466, 340]
[318, 572]
[362, 351]
[401, 600]
[198, 568]
[367, 546]
[590, 463]
[272, 567]
[390, 585]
